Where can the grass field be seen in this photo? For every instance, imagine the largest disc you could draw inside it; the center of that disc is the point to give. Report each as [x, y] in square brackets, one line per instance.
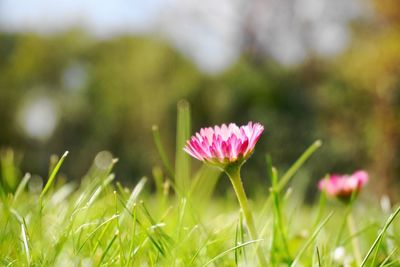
[100, 222]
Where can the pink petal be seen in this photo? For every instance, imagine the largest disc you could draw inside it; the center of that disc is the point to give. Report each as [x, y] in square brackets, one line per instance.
[224, 143]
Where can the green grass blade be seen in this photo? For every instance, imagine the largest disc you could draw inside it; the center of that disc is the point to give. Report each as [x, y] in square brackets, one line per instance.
[21, 186]
[392, 263]
[241, 235]
[239, 239]
[204, 183]
[154, 225]
[99, 189]
[380, 236]
[230, 250]
[310, 240]
[318, 257]
[118, 226]
[108, 248]
[26, 246]
[358, 233]
[388, 257]
[181, 212]
[376, 253]
[321, 208]
[52, 163]
[135, 193]
[97, 229]
[354, 241]
[342, 225]
[132, 199]
[9, 170]
[199, 249]
[279, 226]
[52, 177]
[289, 174]
[123, 193]
[182, 159]
[101, 235]
[160, 240]
[158, 180]
[161, 151]
[237, 242]
[297, 165]
[132, 241]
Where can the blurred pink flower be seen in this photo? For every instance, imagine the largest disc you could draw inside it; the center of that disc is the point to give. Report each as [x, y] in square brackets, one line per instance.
[224, 144]
[343, 186]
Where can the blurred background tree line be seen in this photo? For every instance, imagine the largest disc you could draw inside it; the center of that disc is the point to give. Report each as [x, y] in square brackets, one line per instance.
[72, 91]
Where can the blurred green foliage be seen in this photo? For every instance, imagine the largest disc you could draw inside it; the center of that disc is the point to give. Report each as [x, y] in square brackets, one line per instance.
[127, 84]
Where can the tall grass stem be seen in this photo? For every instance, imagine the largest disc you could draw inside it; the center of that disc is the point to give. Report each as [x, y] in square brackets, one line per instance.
[354, 241]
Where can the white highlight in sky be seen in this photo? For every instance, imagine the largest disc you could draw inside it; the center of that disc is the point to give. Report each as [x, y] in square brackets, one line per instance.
[38, 117]
[207, 31]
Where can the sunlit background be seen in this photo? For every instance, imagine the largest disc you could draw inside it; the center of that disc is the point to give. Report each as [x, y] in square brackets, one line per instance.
[91, 76]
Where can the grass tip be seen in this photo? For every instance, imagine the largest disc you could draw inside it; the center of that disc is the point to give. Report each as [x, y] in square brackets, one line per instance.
[65, 154]
[154, 128]
[318, 143]
[183, 103]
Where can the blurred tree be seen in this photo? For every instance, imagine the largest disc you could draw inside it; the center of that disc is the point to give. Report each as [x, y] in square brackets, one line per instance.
[107, 95]
[372, 65]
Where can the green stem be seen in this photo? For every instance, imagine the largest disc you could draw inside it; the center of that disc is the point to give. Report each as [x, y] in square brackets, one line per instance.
[234, 174]
[354, 240]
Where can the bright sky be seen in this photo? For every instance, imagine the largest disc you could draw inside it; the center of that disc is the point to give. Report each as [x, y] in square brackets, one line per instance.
[198, 39]
[211, 33]
[102, 17]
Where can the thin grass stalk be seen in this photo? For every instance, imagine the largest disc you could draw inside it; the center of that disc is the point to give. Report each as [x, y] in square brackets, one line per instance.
[182, 159]
[310, 240]
[230, 250]
[50, 181]
[25, 242]
[107, 249]
[278, 226]
[354, 241]
[380, 236]
[21, 187]
[161, 151]
[388, 258]
[290, 173]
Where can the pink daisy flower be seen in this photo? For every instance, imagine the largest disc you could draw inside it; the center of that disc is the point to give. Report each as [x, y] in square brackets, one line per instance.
[228, 147]
[224, 144]
[343, 186]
